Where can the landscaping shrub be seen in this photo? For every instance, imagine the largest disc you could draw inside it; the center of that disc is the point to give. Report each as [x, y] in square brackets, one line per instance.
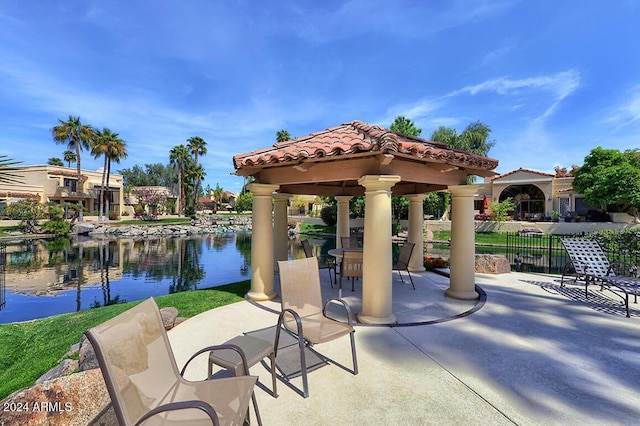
[329, 215]
[431, 263]
[57, 227]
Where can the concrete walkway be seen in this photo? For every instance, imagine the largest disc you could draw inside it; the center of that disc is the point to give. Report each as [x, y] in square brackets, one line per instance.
[533, 354]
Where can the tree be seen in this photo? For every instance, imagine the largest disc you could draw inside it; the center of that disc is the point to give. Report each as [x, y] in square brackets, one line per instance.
[244, 202]
[218, 194]
[473, 139]
[283, 136]
[156, 174]
[197, 146]
[70, 157]
[55, 161]
[77, 136]
[405, 126]
[179, 155]
[610, 177]
[500, 211]
[109, 145]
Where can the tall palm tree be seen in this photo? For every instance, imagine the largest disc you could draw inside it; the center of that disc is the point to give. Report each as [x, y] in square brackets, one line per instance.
[69, 157]
[178, 156]
[109, 145]
[197, 146]
[77, 136]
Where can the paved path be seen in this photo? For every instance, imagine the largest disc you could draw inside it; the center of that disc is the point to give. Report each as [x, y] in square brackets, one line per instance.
[534, 354]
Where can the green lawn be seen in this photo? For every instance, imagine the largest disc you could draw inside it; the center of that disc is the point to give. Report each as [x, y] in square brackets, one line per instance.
[312, 228]
[498, 238]
[30, 349]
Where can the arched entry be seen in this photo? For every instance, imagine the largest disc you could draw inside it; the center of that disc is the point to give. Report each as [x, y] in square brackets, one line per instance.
[529, 200]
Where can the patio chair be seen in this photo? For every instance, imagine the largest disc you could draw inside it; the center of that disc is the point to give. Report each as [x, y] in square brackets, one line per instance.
[352, 242]
[143, 381]
[350, 267]
[592, 265]
[305, 316]
[402, 264]
[323, 263]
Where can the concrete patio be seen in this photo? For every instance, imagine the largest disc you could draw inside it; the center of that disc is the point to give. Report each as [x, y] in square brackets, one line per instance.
[531, 353]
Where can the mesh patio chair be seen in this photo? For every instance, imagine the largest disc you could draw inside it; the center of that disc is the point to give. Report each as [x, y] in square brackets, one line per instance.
[143, 381]
[305, 316]
[591, 264]
[350, 267]
[403, 261]
[352, 242]
[323, 263]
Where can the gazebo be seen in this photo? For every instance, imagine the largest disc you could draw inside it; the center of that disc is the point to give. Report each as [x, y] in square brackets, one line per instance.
[354, 159]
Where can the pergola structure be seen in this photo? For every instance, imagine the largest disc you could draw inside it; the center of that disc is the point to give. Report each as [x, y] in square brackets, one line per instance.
[353, 159]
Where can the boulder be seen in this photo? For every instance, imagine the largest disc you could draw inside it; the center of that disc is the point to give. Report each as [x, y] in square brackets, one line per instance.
[169, 316]
[83, 228]
[88, 360]
[71, 400]
[492, 264]
[66, 367]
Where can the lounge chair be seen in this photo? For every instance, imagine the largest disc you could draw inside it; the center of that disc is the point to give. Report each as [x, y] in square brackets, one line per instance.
[350, 267]
[305, 316]
[591, 264]
[403, 261]
[323, 263]
[143, 381]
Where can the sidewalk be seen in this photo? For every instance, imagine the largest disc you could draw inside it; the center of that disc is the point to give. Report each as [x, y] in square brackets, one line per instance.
[533, 354]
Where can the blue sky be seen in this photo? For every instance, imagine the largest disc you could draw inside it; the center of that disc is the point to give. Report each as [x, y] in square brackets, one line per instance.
[553, 79]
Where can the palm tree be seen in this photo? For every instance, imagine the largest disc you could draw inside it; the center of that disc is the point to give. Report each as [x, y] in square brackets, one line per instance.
[197, 146]
[55, 161]
[178, 156]
[69, 157]
[77, 136]
[109, 145]
[283, 136]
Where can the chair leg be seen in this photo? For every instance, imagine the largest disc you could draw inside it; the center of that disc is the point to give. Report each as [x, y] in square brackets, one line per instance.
[400, 274]
[303, 367]
[411, 279]
[353, 353]
[273, 374]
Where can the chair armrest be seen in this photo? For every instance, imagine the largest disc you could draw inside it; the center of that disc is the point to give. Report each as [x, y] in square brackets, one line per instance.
[217, 348]
[298, 321]
[343, 303]
[619, 267]
[182, 405]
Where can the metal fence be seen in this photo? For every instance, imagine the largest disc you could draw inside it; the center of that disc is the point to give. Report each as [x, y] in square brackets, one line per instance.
[536, 252]
[3, 262]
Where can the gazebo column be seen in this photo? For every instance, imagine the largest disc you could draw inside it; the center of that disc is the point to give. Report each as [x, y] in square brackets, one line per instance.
[377, 262]
[262, 243]
[463, 249]
[416, 232]
[280, 227]
[342, 228]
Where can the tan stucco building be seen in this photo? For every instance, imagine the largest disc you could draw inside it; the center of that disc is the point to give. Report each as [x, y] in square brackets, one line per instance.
[57, 184]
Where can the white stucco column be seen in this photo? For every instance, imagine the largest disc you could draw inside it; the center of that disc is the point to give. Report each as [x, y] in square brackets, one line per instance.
[463, 249]
[342, 226]
[262, 243]
[280, 228]
[416, 231]
[377, 261]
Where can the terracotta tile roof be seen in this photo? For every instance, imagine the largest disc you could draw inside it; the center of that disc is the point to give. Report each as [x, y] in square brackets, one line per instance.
[358, 137]
[535, 172]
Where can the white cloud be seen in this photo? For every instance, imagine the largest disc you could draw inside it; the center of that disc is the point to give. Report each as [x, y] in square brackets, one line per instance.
[628, 112]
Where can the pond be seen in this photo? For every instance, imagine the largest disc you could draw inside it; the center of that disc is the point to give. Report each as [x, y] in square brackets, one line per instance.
[49, 277]
[43, 278]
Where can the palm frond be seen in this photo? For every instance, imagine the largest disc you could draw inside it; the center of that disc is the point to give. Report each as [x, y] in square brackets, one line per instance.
[6, 169]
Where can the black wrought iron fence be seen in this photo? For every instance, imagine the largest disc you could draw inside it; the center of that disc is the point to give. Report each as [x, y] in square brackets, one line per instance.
[3, 262]
[537, 252]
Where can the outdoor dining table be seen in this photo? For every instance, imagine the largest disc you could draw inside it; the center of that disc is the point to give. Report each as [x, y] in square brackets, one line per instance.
[338, 252]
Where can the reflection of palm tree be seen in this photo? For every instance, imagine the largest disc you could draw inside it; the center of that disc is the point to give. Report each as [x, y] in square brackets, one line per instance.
[243, 244]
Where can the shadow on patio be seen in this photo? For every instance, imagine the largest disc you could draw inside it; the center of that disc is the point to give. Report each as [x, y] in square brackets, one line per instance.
[531, 355]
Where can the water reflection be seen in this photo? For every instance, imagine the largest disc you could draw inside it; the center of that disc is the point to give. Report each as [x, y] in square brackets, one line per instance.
[49, 277]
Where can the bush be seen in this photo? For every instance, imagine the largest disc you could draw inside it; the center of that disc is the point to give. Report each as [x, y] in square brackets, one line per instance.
[329, 215]
[431, 263]
[57, 227]
[244, 203]
[113, 216]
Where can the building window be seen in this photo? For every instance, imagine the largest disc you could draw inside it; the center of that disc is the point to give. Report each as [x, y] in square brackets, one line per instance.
[72, 184]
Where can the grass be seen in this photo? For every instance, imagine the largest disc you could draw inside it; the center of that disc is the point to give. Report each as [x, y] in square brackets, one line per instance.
[30, 349]
[312, 228]
[497, 238]
[161, 221]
